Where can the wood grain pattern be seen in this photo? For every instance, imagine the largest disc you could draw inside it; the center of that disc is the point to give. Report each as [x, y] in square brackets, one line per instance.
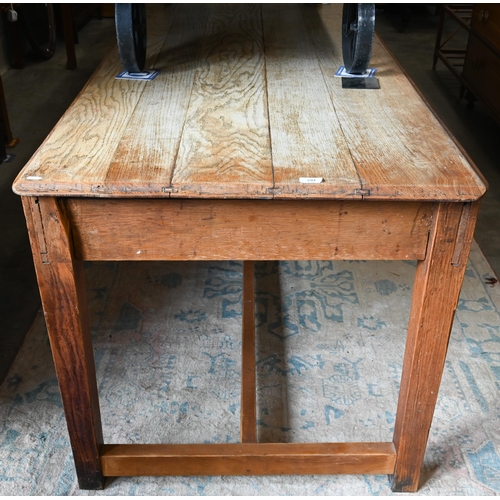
[249, 230]
[398, 146]
[303, 145]
[246, 104]
[76, 155]
[145, 157]
[223, 143]
[248, 415]
[435, 296]
[248, 459]
[470, 163]
[62, 289]
[243, 109]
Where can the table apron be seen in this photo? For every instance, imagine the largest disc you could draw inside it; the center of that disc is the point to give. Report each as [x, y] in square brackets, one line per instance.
[173, 229]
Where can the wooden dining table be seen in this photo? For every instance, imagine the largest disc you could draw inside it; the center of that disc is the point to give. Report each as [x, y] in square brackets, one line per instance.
[246, 147]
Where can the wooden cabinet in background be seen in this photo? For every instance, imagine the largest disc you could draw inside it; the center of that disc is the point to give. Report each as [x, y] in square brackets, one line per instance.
[473, 59]
[481, 71]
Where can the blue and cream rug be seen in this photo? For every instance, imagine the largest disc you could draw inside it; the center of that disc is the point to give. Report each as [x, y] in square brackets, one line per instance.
[330, 348]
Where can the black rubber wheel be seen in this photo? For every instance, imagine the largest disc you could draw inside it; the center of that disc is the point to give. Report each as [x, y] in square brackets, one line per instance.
[358, 29]
[130, 19]
[39, 26]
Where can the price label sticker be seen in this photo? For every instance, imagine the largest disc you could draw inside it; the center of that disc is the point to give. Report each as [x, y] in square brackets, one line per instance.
[310, 180]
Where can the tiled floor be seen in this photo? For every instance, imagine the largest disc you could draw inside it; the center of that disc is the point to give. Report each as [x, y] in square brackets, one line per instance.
[38, 95]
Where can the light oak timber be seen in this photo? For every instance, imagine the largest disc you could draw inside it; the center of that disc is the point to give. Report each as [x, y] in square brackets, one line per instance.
[399, 148]
[62, 290]
[249, 230]
[225, 140]
[247, 459]
[307, 138]
[248, 105]
[438, 281]
[146, 154]
[76, 155]
[467, 157]
[248, 417]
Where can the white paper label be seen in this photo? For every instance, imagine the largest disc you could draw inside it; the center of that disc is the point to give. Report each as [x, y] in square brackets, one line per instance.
[311, 180]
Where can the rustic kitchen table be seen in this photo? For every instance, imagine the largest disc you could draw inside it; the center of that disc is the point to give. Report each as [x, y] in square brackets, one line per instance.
[247, 147]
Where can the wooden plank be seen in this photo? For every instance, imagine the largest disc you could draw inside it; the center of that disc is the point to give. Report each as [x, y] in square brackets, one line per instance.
[398, 146]
[225, 148]
[438, 281]
[144, 160]
[247, 459]
[471, 164]
[75, 157]
[248, 417]
[249, 230]
[307, 138]
[62, 289]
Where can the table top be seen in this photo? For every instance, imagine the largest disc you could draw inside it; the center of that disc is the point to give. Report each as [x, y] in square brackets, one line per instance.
[246, 104]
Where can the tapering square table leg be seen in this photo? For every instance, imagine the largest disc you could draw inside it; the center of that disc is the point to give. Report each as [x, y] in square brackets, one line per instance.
[62, 289]
[248, 433]
[436, 291]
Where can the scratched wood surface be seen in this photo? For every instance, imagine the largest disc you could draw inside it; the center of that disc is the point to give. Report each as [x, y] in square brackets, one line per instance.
[180, 229]
[245, 105]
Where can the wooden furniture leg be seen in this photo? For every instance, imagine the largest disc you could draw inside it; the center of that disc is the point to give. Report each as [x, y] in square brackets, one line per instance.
[436, 291]
[248, 432]
[17, 56]
[437, 46]
[9, 140]
[62, 289]
[69, 38]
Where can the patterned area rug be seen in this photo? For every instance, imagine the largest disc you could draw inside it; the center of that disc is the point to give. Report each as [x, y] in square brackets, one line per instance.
[330, 348]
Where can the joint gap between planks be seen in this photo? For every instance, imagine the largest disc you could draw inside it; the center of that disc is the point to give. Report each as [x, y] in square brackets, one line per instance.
[318, 58]
[131, 115]
[181, 137]
[266, 94]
